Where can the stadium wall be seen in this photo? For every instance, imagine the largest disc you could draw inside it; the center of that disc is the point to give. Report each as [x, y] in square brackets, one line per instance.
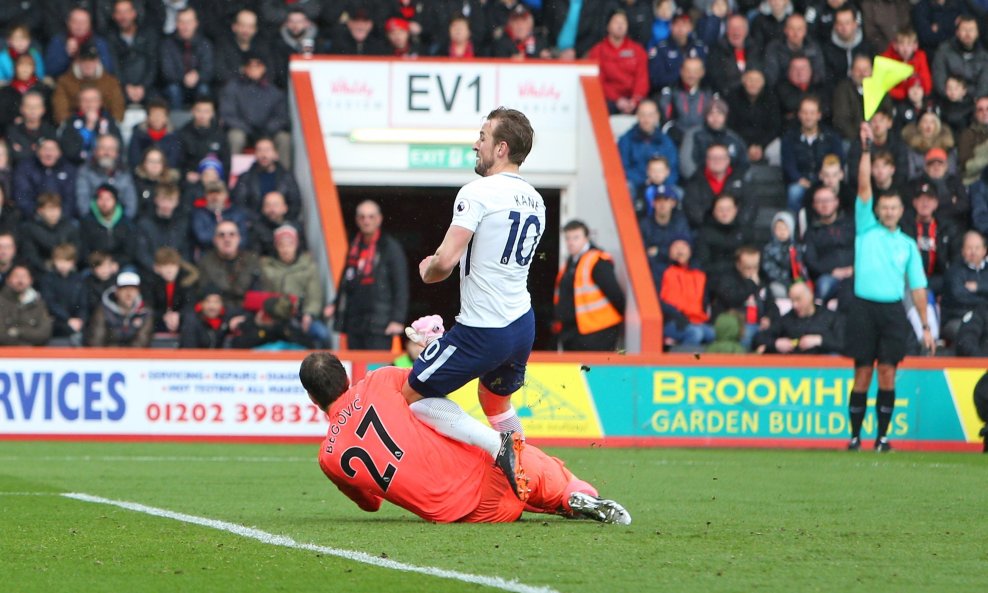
[607, 400]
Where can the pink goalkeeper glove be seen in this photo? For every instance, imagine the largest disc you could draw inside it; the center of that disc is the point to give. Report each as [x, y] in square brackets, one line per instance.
[425, 330]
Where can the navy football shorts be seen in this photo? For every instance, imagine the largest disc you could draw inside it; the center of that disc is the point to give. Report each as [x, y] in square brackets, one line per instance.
[497, 355]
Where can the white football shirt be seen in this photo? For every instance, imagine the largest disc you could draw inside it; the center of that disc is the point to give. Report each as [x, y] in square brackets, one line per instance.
[507, 217]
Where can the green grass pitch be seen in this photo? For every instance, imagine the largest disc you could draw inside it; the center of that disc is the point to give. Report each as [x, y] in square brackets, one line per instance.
[704, 520]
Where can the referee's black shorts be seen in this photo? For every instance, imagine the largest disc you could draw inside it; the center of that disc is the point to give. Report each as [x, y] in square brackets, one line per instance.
[876, 332]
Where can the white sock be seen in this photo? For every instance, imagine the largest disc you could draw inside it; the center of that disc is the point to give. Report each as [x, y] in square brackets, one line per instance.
[506, 421]
[449, 419]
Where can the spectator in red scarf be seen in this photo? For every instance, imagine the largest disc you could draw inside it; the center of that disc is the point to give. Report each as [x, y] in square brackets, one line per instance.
[717, 178]
[206, 326]
[171, 290]
[460, 43]
[24, 80]
[623, 66]
[372, 303]
[520, 41]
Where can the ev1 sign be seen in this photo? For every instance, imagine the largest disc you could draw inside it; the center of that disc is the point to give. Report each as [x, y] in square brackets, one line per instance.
[432, 94]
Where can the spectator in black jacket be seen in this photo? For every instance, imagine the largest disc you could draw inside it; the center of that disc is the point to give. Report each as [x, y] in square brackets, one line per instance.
[934, 21]
[233, 48]
[798, 85]
[64, 291]
[954, 203]
[47, 171]
[846, 41]
[47, 229]
[264, 176]
[155, 131]
[735, 54]
[966, 285]
[170, 289]
[296, 36]
[106, 228]
[803, 150]
[187, 61]
[829, 252]
[135, 51]
[720, 237]
[372, 302]
[26, 132]
[742, 290]
[805, 329]
[755, 115]
[714, 130]
[273, 214]
[252, 107]
[167, 225]
[356, 37]
[666, 223]
[200, 137]
[887, 140]
[780, 53]
[716, 179]
[207, 325]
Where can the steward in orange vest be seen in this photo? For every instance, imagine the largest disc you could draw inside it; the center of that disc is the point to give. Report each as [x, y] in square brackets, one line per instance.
[589, 301]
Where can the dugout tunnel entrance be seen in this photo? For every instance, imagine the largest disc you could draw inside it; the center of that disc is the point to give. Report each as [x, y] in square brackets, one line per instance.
[401, 132]
[418, 217]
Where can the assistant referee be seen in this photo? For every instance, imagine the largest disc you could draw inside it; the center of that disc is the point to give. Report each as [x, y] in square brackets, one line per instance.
[877, 327]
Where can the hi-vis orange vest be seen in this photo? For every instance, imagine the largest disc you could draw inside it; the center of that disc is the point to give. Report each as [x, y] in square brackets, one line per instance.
[593, 311]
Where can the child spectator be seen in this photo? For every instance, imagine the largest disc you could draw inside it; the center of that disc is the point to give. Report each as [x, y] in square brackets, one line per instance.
[727, 335]
[782, 257]
[45, 231]
[121, 319]
[683, 298]
[166, 226]
[957, 106]
[64, 291]
[171, 289]
[666, 223]
[657, 173]
[19, 44]
[905, 48]
[206, 326]
[152, 171]
[99, 277]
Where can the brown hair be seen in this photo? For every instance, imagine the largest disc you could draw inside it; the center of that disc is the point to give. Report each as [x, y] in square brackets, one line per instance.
[65, 251]
[324, 378]
[167, 255]
[48, 199]
[514, 129]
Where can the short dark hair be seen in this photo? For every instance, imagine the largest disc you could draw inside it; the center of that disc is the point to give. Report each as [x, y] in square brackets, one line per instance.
[323, 377]
[576, 225]
[883, 155]
[746, 250]
[156, 103]
[48, 199]
[514, 129]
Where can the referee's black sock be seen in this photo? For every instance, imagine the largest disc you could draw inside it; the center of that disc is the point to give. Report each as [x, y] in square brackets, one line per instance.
[856, 408]
[884, 406]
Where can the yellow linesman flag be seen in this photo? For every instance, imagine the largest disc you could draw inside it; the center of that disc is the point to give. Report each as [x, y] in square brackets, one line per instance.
[885, 75]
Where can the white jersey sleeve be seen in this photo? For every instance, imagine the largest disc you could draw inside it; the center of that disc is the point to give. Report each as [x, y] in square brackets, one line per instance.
[507, 217]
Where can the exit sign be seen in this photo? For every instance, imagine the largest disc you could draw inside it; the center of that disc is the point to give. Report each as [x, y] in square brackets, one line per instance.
[431, 156]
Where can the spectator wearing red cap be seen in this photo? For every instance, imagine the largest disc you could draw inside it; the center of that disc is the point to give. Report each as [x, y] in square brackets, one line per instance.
[954, 203]
[520, 40]
[623, 66]
[400, 38]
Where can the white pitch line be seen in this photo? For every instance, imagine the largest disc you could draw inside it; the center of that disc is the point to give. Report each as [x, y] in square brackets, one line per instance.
[29, 494]
[287, 542]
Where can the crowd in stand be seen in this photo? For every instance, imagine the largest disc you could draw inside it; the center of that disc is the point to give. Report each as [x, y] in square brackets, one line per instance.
[108, 237]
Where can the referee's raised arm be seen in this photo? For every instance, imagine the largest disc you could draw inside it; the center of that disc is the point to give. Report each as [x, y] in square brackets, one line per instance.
[864, 169]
